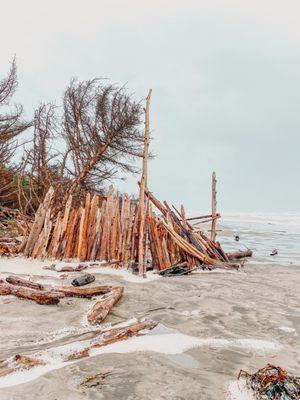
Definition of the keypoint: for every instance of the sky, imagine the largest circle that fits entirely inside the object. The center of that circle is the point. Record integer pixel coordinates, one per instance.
(225, 80)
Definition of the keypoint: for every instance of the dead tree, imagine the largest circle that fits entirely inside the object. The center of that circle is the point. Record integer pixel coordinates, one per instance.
(11, 117)
(11, 125)
(102, 133)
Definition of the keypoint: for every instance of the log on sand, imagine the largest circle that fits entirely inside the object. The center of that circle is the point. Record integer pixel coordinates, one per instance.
(102, 307)
(15, 280)
(116, 334)
(239, 254)
(39, 296)
(107, 336)
(68, 291)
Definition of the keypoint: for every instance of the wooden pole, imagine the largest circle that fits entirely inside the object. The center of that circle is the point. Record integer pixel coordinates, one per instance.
(143, 185)
(213, 207)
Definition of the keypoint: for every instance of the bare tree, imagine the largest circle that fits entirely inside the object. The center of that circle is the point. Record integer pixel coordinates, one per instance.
(11, 125)
(11, 118)
(102, 133)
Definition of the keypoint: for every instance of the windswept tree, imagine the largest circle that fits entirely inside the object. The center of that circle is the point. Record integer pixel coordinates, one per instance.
(12, 124)
(11, 117)
(102, 131)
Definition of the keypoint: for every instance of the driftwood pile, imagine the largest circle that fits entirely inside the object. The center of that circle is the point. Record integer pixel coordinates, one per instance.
(109, 230)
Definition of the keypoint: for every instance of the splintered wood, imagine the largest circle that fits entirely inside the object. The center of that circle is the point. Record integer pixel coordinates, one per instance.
(108, 230)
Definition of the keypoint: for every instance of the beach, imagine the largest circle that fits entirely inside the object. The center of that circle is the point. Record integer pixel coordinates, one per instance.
(211, 325)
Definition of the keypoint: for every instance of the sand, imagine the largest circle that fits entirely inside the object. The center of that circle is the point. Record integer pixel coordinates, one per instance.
(210, 326)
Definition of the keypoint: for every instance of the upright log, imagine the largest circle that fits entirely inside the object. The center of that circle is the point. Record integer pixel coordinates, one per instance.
(38, 222)
(213, 207)
(141, 209)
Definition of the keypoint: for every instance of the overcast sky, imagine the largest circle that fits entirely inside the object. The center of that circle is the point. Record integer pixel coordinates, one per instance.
(225, 76)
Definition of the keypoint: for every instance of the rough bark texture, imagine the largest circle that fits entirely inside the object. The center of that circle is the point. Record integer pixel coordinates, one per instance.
(102, 307)
(39, 296)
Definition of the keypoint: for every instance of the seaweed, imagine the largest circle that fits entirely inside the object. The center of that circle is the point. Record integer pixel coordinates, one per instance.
(272, 383)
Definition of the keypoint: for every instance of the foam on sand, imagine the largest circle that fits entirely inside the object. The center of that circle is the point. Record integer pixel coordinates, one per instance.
(168, 344)
(237, 390)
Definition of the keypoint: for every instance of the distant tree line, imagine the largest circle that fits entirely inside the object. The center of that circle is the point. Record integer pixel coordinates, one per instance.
(76, 147)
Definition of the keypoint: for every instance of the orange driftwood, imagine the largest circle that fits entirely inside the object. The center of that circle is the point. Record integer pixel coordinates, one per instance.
(102, 307)
(39, 296)
(64, 291)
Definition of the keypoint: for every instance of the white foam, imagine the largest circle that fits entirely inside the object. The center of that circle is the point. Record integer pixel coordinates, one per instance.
(171, 343)
(237, 390)
(287, 329)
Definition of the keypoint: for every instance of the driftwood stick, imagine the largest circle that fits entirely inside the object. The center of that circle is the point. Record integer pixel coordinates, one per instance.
(39, 296)
(239, 254)
(102, 307)
(213, 207)
(15, 280)
(141, 207)
(64, 291)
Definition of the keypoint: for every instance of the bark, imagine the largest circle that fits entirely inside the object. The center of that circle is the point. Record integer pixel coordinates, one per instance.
(239, 254)
(39, 296)
(102, 307)
(14, 280)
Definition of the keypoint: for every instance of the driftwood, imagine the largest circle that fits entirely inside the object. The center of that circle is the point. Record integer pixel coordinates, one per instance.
(15, 280)
(63, 291)
(87, 292)
(83, 280)
(141, 204)
(116, 334)
(239, 254)
(102, 307)
(213, 207)
(106, 337)
(117, 230)
(18, 363)
(112, 335)
(39, 296)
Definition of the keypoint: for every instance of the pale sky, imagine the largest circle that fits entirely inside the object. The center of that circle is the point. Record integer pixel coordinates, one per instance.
(225, 76)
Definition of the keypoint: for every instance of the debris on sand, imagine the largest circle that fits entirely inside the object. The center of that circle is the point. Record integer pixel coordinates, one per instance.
(96, 380)
(272, 383)
(83, 280)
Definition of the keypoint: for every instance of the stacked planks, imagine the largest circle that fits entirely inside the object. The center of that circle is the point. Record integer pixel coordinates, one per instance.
(108, 230)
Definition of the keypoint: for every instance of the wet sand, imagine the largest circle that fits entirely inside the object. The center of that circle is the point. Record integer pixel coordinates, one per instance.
(260, 303)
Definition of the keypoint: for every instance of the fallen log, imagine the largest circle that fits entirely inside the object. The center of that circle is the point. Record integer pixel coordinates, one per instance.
(15, 280)
(112, 335)
(83, 280)
(70, 291)
(39, 296)
(102, 307)
(116, 334)
(239, 254)
(65, 291)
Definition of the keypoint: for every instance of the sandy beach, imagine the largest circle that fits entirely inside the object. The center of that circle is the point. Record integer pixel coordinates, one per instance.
(211, 325)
